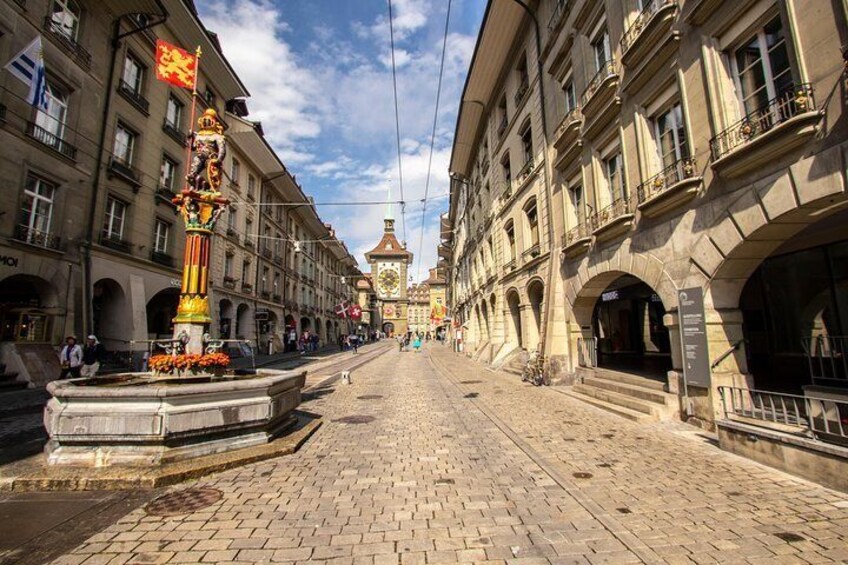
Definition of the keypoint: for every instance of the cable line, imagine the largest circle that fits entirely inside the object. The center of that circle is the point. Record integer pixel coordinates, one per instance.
(397, 121)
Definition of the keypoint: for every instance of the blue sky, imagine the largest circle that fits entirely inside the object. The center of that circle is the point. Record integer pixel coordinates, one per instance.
(319, 73)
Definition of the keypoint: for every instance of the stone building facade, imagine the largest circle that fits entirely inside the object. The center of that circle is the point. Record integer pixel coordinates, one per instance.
(418, 313)
(664, 145)
(92, 244)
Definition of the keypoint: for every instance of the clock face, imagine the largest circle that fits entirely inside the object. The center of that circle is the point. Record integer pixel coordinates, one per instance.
(389, 281)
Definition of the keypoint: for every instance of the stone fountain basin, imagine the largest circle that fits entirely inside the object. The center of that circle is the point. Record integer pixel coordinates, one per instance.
(137, 419)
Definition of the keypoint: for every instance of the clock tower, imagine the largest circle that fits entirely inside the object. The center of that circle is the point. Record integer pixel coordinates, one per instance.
(390, 262)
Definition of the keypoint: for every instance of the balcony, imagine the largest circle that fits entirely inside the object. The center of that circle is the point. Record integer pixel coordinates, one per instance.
(676, 184)
(51, 140)
(69, 45)
(26, 234)
(124, 171)
(650, 30)
(532, 253)
(278, 259)
(444, 251)
(174, 133)
(246, 287)
(600, 97)
(766, 134)
(265, 294)
(164, 195)
(248, 242)
(113, 242)
(559, 15)
(162, 258)
(229, 282)
(522, 91)
(277, 298)
(613, 220)
(134, 97)
(266, 252)
(567, 139)
(510, 265)
(576, 241)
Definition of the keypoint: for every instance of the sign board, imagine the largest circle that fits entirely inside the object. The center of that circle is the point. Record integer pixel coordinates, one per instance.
(693, 337)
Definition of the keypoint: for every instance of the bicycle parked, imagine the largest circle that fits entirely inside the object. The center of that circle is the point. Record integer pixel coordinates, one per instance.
(536, 370)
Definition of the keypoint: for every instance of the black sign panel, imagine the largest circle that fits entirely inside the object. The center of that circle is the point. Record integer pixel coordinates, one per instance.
(693, 337)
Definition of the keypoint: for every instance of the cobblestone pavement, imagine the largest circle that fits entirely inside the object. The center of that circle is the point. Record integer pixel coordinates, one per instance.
(430, 458)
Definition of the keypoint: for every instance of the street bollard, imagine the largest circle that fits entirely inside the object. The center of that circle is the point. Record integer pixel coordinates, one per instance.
(346, 377)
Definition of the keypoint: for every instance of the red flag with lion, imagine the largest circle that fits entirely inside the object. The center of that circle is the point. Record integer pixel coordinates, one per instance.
(174, 65)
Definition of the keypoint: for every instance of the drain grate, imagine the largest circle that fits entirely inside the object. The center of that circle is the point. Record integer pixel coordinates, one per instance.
(790, 536)
(369, 397)
(471, 395)
(582, 475)
(469, 382)
(355, 419)
(183, 502)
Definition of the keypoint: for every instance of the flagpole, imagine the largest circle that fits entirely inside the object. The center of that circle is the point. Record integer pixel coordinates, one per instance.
(197, 54)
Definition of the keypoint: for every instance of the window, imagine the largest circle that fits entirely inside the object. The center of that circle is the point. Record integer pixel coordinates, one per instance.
(248, 230)
(510, 240)
(228, 265)
(52, 121)
(576, 193)
(231, 220)
(161, 232)
(167, 173)
(251, 186)
(113, 227)
(671, 136)
(502, 114)
(265, 274)
(173, 112)
(37, 208)
(601, 48)
(124, 144)
(235, 172)
(532, 216)
(527, 143)
(245, 272)
(570, 96)
(65, 18)
(761, 67)
(133, 77)
(613, 174)
(507, 171)
(523, 80)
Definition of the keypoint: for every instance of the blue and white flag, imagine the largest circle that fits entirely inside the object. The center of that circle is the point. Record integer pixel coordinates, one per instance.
(28, 67)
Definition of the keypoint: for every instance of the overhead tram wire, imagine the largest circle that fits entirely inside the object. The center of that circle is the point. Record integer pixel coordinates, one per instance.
(397, 121)
(433, 139)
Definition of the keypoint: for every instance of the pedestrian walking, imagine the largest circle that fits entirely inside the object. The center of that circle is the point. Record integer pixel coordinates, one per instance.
(417, 343)
(71, 358)
(92, 354)
(341, 342)
(354, 342)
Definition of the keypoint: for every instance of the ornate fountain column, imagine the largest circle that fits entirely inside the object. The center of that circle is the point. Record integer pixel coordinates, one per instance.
(201, 204)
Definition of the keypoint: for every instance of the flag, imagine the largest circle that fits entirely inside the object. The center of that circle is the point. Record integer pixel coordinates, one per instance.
(341, 310)
(28, 67)
(355, 312)
(174, 65)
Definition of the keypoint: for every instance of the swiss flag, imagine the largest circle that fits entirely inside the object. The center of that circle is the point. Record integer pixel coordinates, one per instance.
(355, 312)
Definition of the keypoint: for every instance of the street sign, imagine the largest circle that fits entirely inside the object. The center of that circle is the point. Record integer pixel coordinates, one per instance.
(693, 337)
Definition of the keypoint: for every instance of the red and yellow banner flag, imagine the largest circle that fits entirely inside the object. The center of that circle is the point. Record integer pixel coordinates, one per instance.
(174, 65)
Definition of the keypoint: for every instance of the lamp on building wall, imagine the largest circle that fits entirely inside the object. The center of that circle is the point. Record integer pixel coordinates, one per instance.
(297, 247)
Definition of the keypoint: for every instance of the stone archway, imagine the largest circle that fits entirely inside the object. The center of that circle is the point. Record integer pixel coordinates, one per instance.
(28, 306)
(112, 326)
(225, 318)
(244, 322)
(535, 296)
(161, 311)
(514, 334)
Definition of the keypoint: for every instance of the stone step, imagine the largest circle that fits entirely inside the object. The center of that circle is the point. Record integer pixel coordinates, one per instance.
(636, 391)
(603, 405)
(619, 399)
(628, 378)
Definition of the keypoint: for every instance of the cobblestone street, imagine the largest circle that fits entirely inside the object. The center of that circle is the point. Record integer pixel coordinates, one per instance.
(431, 458)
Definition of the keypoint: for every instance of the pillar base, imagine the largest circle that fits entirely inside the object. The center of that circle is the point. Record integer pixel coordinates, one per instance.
(195, 333)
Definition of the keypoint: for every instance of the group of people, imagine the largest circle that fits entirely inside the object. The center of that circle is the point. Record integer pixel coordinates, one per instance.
(80, 361)
(407, 339)
(348, 342)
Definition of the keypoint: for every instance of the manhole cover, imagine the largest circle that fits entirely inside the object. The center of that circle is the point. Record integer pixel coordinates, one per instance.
(369, 397)
(582, 475)
(471, 395)
(183, 502)
(444, 481)
(624, 510)
(357, 419)
(789, 536)
(469, 382)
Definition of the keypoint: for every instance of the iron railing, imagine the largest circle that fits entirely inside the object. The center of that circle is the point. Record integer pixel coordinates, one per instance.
(641, 22)
(587, 352)
(246, 287)
(827, 357)
(578, 232)
(162, 258)
(229, 282)
(124, 170)
(678, 171)
(571, 117)
(114, 242)
(606, 71)
(607, 214)
(55, 31)
(134, 97)
(174, 132)
(826, 419)
(532, 252)
(51, 140)
(32, 236)
(560, 11)
(165, 194)
(790, 103)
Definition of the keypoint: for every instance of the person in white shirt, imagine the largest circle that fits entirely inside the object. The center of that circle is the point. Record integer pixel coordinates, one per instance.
(71, 358)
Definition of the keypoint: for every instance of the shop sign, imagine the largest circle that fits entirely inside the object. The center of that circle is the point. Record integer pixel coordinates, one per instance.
(176, 282)
(9, 261)
(693, 337)
(610, 296)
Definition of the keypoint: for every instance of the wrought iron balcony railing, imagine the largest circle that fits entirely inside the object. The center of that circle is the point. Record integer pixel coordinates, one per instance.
(246, 287)
(51, 140)
(561, 10)
(124, 170)
(229, 282)
(639, 24)
(164, 194)
(54, 30)
(607, 214)
(35, 237)
(162, 258)
(174, 132)
(114, 242)
(134, 97)
(578, 232)
(607, 70)
(792, 102)
(668, 177)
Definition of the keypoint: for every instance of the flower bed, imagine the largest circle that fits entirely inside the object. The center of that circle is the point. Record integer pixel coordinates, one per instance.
(189, 363)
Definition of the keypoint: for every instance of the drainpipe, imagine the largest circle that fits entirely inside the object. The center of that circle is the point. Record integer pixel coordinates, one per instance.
(117, 36)
(548, 192)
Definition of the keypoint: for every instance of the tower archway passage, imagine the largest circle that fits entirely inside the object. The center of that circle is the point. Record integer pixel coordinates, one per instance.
(514, 331)
(111, 320)
(27, 309)
(161, 310)
(535, 295)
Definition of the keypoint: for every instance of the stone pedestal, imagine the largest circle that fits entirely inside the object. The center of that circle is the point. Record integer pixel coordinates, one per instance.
(195, 336)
